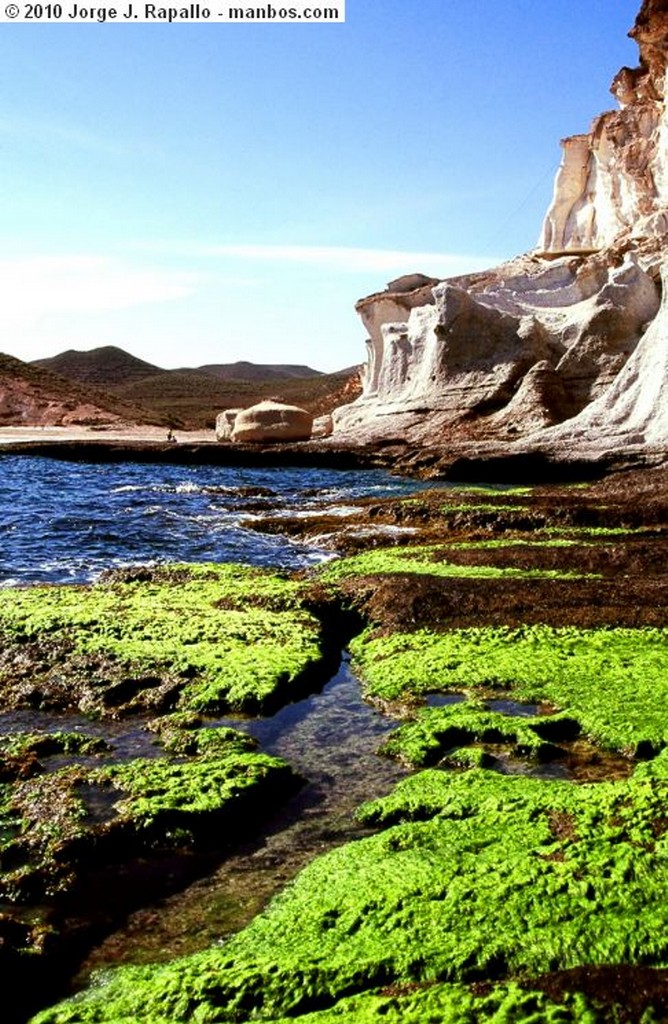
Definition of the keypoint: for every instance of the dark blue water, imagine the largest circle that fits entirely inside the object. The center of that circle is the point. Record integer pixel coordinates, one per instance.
(66, 522)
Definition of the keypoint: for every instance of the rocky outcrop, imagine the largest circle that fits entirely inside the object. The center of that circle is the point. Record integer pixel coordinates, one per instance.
(633, 411)
(463, 359)
(456, 355)
(613, 182)
(394, 304)
(554, 336)
(225, 423)
(272, 421)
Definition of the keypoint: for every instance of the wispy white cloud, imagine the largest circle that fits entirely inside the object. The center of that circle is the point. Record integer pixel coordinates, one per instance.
(65, 134)
(36, 287)
(342, 258)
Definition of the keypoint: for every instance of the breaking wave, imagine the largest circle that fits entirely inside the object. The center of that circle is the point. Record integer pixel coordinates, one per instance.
(67, 522)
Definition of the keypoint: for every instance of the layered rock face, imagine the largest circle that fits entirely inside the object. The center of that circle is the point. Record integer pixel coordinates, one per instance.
(613, 182)
(549, 338)
(633, 411)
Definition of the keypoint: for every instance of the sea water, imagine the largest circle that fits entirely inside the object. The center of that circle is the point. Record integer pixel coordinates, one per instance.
(65, 522)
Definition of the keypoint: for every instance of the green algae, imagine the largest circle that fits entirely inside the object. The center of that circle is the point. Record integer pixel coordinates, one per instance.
(510, 542)
(473, 876)
(614, 682)
(449, 508)
(435, 1003)
(178, 735)
(458, 1004)
(430, 560)
(49, 821)
(434, 731)
(517, 490)
(186, 630)
(156, 790)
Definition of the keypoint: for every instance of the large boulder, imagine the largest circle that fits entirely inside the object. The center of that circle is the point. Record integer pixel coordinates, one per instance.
(272, 421)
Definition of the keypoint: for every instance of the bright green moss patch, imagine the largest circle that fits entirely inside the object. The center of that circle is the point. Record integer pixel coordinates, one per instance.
(509, 542)
(475, 876)
(51, 820)
(184, 739)
(483, 507)
(427, 560)
(437, 730)
(499, 492)
(179, 792)
(211, 636)
(613, 681)
(457, 1004)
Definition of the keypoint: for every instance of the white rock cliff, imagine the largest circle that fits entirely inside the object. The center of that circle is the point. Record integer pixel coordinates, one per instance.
(564, 345)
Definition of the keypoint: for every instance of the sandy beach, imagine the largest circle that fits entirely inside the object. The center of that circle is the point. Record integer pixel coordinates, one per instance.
(23, 435)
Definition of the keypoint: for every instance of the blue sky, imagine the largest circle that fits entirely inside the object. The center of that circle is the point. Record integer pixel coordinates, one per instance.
(208, 193)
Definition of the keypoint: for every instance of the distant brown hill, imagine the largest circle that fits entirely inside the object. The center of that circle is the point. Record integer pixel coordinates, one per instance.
(111, 367)
(32, 395)
(104, 367)
(193, 397)
(258, 371)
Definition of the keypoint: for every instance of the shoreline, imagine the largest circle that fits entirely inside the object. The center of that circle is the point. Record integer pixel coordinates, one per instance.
(467, 462)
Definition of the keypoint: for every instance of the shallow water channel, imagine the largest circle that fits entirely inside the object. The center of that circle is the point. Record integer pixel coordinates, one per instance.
(330, 738)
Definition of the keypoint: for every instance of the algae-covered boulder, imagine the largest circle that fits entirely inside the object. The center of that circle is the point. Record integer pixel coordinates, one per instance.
(613, 682)
(272, 421)
(99, 809)
(473, 876)
(86, 835)
(154, 639)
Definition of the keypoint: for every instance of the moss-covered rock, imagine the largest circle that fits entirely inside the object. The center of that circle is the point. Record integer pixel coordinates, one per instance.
(20, 752)
(614, 682)
(429, 560)
(438, 730)
(154, 639)
(57, 827)
(460, 1004)
(474, 876)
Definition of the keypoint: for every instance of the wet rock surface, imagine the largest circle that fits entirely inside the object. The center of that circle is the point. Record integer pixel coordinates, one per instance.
(515, 640)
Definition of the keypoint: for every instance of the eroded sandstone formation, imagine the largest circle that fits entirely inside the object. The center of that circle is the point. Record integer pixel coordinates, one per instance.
(225, 423)
(272, 421)
(563, 342)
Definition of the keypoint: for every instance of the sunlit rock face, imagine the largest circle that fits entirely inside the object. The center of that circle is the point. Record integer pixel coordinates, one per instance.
(614, 181)
(633, 411)
(271, 421)
(225, 423)
(465, 355)
(394, 304)
(526, 349)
